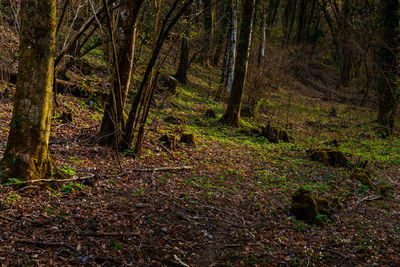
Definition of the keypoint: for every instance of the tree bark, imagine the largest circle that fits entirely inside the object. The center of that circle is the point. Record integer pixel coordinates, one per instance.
(388, 63)
(122, 72)
(232, 113)
(230, 52)
(26, 156)
(207, 23)
(181, 73)
(221, 32)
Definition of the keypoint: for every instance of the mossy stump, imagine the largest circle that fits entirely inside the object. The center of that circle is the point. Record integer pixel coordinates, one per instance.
(169, 141)
(176, 120)
(274, 134)
(309, 208)
(363, 176)
(210, 114)
(188, 139)
(329, 157)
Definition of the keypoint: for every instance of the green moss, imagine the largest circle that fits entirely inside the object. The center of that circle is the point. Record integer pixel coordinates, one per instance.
(363, 176)
(169, 140)
(309, 208)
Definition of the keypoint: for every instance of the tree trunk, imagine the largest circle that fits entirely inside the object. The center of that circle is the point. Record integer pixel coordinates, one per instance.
(122, 73)
(221, 32)
(230, 52)
(232, 113)
(389, 65)
(207, 23)
(26, 156)
(261, 52)
(134, 128)
(181, 73)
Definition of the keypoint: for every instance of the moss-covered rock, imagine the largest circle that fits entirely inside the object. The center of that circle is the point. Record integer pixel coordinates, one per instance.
(363, 176)
(176, 120)
(329, 157)
(274, 134)
(309, 208)
(188, 138)
(169, 140)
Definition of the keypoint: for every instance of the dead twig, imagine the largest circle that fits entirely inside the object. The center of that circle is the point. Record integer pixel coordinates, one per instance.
(164, 169)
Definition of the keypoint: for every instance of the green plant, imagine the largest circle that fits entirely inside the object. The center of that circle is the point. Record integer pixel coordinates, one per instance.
(68, 170)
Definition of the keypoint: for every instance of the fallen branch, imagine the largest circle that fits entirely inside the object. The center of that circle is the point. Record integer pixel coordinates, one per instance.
(55, 180)
(8, 218)
(369, 198)
(164, 169)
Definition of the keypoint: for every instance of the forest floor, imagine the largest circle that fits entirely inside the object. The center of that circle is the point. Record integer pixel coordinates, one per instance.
(229, 206)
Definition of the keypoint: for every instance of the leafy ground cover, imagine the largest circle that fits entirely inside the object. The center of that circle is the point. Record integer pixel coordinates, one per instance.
(229, 207)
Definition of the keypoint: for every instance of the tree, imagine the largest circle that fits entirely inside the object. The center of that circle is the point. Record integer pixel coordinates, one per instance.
(232, 113)
(112, 121)
(230, 51)
(26, 156)
(134, 128)
(207, 25)
(181, 73)
(388, 62)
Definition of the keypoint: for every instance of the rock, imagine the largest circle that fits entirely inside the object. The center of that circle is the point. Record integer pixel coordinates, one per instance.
(363, 176)
(274, 134)
(309, 208)
(168, 140)
(189, 139)
(329, 157)
(176, 120)
(66, 117)
(168, 83)
(210, 114)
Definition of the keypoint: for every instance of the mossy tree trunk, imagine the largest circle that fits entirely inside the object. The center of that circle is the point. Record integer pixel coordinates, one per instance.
(26, 156)
(232, 113)
(388, 61)
(121, 73)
